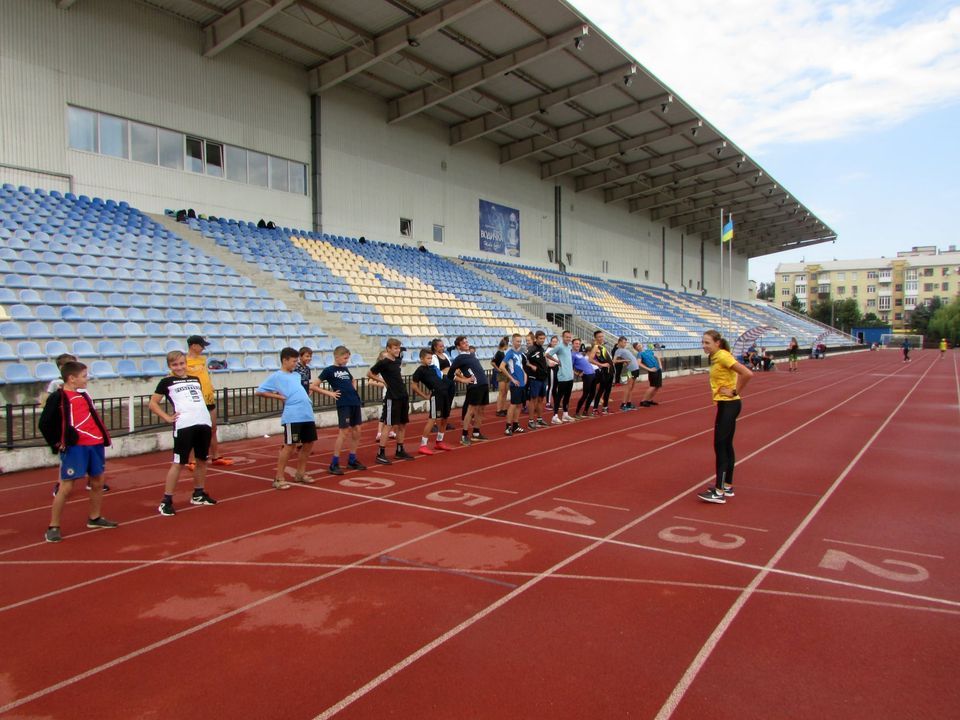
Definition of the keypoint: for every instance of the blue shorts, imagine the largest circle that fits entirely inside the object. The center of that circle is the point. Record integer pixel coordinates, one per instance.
(518, 394)
(80, 461)
(349, 416)
(538, 389)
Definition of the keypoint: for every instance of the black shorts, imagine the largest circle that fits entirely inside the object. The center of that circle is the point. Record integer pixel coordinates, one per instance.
(518, 394)
(299, 433)
(439, 405)
(478, 394)
(395, 412)
(655, 378)
(635, 373)
(195, 438)
(349, 416)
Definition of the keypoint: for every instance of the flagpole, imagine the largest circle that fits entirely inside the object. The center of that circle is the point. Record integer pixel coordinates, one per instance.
(730, 284)
(722, 320)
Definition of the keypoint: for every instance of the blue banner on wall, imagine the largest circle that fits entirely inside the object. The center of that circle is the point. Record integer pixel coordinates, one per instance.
(499, 229)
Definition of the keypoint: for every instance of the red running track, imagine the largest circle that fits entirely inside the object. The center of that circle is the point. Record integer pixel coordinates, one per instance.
(566, 573)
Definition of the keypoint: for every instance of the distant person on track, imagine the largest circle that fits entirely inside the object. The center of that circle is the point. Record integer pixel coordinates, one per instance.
(538, 372)
(650, 363)
(428, 383)
(562, 354)
(906, 350)
(552, 377)
(503, 389)
(396, 405)
(197, 367)
(73, 429)
(587, 371)
(297, 421)
(727, 379)
(191, 430)
(793, 355)
(343, 389)
(513, 370)
(604, 383)
(624, 358)
(943, 348)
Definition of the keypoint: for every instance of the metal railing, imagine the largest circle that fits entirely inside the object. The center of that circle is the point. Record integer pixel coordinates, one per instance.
(129, 415)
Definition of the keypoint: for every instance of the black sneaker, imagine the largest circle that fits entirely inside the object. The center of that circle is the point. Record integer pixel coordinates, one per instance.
(106, 488)
(53, 535)
(202, 499)
(464, 440)
(335, 470)
(356, 465)
(101, 523)
(728, 490)
(508, 431)
(645, 403)
(517, 430)
(541, 423)
(712, 495)
(166, 509)
(403, 455)
(383, 460)
(479, 436)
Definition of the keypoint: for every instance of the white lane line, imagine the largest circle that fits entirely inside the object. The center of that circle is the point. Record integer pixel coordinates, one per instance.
(878, 547)
(391, 473)
(483, 487)
(581, 502)
(711, 522)
(681, 688)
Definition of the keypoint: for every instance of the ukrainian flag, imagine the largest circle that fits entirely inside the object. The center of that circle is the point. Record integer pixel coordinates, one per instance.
(727, 234)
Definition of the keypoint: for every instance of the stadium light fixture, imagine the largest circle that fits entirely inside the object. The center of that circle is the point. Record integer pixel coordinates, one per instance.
(696, 128)
(719, 148)
(627, 80)
(579, 42)
(413, 42)
(664, 106)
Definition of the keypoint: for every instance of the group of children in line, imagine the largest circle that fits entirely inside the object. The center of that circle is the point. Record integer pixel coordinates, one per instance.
(71, 426)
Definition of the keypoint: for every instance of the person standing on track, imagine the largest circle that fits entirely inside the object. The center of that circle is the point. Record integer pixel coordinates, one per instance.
(552, 377)
(727, 379)
(584, 366)
(466, 369)
(538, 372)
(503, 401)
(429, 383)
(396, 405)
(512, 368)
(650, 363)
(343, 389)
(943, 348)
(906, 350)
(197, 367)
(793, 354)
(623, 357)
(562, 354)
(604, 384)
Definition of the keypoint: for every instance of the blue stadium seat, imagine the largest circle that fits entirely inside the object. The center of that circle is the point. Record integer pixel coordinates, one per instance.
(270, 362)
(151, 368)
(29, 350)
(46, 371)
(108, 349)
(102, 369)
(55, 347)
(7, 296)
(11, 331)
(20, 312)
(17, 373)
(6, 352)
(252, 362)
(127, 369)
(112, 330)
(83, 349)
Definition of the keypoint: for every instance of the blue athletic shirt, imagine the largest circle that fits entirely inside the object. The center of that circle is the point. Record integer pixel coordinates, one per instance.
(582, 365)
(296, 407)
(339, 378)
(514, 360)
(648, 358)
(563, 353)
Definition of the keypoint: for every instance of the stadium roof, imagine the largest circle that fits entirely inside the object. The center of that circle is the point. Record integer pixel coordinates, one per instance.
(541, 81)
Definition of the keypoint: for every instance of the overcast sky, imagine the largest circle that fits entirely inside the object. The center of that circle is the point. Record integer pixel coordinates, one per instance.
(852, 106)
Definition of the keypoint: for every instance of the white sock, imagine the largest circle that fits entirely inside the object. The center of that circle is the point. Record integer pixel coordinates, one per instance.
(424, 441)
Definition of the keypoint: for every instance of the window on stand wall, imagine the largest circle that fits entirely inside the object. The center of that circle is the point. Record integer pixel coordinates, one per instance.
(236, 163)
(143, 143)
(194, 155)
(171, 149)
(113, 136)
(82, 129)
(214, 159)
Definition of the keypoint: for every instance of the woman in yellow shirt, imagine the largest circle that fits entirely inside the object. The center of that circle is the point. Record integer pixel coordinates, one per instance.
(727, 379)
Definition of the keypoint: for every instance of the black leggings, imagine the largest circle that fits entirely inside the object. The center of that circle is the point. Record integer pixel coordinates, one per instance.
(561, 395)
(586, 394)
(723, 430)
(604, 386)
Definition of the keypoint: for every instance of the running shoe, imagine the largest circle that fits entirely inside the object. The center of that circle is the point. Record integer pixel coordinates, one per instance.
(356, 465)
(606, 410)
(479, 436)
(304, 479)
(335, 470)
(202, 499)
(508, 432)
(712, 495)
(166, 509)
(101, 523)
(517, 430)
(424, 450)
(106, 488)
(566, 418)
(464, 440)
(403, 455)
(441, 445)
(222, 461)
(541, 423)
(532, 424)
(383, 460)
(556, 420)
(728, 489)
(53, 535)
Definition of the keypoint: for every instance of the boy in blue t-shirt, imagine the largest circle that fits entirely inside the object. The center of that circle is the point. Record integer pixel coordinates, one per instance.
(648, 361)
(343, 389)
(512, 368)
(299, 427)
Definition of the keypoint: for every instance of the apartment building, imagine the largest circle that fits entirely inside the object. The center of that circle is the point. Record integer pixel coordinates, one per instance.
(891, 288)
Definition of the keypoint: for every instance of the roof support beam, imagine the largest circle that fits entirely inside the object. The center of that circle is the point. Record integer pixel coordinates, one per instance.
(239, 22)
(430, 95)
(758, 237)
(636, 188)
(752, 220)
(587, 156)
(64, 4)
(607, 177)
(771, 249)
(712, 201)
(557, 136)
(489, 122)
(745, 215)
(668, 196)
(358, 59)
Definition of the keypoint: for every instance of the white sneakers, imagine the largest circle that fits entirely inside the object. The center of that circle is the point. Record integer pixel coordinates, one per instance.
(556, 420)
(567, 418)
